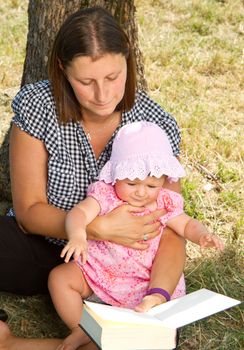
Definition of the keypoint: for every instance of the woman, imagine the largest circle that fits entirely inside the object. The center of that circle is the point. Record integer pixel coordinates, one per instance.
(61, 137)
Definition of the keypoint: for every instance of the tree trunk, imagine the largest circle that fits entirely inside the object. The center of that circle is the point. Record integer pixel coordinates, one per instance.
(45, 18)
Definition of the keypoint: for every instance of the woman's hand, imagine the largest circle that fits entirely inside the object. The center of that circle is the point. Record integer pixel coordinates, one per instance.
(123, 227)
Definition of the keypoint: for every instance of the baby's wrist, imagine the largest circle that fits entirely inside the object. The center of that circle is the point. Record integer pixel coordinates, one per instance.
(161, 293)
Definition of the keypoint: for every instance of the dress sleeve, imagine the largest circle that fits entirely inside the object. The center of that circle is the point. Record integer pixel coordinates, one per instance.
(32, 108)
(105, 195)
(171, 201)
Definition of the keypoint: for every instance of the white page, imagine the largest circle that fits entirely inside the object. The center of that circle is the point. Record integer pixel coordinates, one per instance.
(113, 313)
(192, 307)
(173, 314)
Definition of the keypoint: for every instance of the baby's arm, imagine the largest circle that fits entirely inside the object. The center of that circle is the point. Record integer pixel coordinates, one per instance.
(75, 225)
(194, 231)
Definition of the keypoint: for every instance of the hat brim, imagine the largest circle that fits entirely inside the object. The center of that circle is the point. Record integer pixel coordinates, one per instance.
(142, 167)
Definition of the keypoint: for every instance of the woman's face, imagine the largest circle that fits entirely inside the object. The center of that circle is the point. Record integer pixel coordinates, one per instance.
(98, 85)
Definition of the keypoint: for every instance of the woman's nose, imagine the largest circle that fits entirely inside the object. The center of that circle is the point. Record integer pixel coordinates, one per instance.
(101, 92)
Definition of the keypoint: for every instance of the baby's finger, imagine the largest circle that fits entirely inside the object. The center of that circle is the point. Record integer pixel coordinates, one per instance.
(64, 251)
(203, 244)
(84, 257)
(76, 255)
(78, 251)
(219, 244)
(69, 255)
(208, 237)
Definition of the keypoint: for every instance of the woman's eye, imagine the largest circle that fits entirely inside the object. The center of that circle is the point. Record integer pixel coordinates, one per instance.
(86, 83)
(112, 78)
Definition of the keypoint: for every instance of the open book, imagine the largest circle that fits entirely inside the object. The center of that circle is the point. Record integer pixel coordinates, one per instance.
(114, 328)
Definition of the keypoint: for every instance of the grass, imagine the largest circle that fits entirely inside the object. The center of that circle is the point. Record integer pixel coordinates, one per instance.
(193, 52)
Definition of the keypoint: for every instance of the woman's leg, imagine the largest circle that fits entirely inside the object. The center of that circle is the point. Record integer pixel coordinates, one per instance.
(9, 342)
(28, 258)
(67, 287)
(167, 268)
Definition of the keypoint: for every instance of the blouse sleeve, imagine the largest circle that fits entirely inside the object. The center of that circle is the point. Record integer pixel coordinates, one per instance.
(105, 195)
(32, 107)
(171, 201)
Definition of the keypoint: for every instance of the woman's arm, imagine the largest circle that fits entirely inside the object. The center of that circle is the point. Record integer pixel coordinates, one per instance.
(169, 262)
(167, 269)
(28, 171)
(28, 164)
(122, 227)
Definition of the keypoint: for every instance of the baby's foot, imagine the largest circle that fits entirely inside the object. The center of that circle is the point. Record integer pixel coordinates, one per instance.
(6, 337)
(150, 301)
(74, 340)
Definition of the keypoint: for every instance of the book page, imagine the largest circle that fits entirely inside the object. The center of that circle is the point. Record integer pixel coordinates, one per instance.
(191, 307)
(118, 314)
(173, 314)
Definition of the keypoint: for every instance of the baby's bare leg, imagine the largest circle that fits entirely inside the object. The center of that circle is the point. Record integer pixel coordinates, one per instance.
(67, 286)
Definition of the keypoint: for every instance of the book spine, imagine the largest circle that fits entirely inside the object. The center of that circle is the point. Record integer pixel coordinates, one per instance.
(89, 335)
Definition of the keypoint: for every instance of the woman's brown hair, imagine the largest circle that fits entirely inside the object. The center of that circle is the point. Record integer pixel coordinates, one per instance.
(89, 32)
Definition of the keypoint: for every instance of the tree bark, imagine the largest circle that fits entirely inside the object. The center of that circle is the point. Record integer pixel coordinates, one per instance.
(45, 18)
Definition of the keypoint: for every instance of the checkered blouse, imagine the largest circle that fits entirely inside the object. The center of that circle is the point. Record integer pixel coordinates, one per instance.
(72, 165)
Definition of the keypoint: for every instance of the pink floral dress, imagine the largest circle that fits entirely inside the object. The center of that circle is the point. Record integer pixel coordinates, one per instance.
(119, 275)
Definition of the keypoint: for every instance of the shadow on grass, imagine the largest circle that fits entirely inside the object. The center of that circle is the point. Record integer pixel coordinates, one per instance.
(32, 316)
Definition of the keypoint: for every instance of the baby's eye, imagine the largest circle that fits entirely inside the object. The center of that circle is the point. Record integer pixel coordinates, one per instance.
(151, 186)
(130, 184)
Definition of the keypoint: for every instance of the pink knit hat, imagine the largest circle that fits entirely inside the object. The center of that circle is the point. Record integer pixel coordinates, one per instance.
(141, 149)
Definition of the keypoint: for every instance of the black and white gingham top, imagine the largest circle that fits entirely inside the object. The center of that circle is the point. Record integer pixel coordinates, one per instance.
(72, 165)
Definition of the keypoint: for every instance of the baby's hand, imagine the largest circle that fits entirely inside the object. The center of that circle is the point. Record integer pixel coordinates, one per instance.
(76, 248)
(150, 301)
(207, 240)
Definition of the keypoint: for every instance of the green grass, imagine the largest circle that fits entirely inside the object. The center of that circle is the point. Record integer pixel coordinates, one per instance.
(13, 31)
(193, 53)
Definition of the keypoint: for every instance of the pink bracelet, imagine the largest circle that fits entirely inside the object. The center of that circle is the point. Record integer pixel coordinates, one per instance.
(161, 291)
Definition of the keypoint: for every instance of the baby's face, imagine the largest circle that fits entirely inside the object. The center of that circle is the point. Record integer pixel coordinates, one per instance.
(139, 193)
